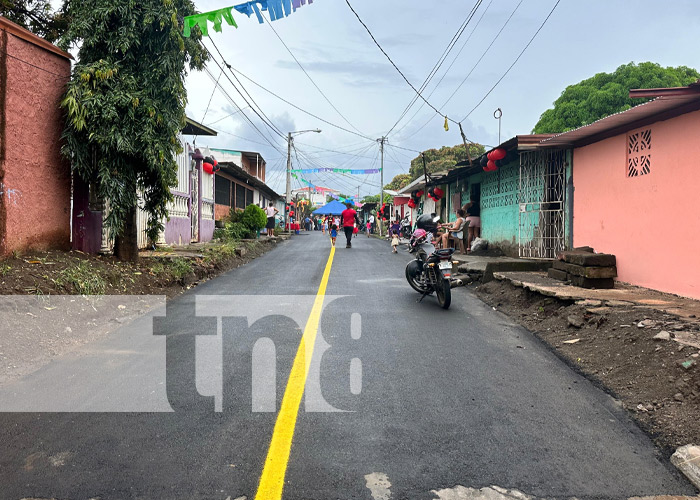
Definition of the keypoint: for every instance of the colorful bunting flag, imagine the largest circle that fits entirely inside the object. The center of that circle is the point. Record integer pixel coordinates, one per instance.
(277, 9)
(215, 16)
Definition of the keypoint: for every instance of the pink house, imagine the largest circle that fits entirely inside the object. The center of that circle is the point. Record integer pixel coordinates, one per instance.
(636, 181)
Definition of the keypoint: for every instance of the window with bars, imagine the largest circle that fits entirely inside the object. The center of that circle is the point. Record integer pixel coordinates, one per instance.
(222, 193)
(639, 153)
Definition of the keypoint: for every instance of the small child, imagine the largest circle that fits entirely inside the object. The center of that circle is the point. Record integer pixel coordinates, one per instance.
(395, 241)
(334, 234)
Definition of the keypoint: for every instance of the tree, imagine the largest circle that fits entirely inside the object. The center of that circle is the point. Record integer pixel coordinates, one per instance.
(125, 105)
(37, 16)
(444, 158)
(398, 182)
(608, 93)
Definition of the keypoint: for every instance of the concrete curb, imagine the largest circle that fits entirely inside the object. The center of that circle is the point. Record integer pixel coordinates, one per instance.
(687, 460)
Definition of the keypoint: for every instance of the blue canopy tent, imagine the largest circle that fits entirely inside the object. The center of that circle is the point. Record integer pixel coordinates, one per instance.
(333, 208)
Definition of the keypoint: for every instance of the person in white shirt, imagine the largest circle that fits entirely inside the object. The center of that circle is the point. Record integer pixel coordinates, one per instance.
(371, 222)
(271, 211)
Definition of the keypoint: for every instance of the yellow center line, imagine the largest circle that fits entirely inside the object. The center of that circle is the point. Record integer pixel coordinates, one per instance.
(272, 478)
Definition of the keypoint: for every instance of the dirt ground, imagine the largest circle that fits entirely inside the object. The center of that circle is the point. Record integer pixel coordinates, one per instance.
(51, 303)
(76, 273)
(657, 381)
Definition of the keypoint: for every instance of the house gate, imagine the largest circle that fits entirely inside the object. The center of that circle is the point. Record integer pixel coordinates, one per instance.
(541, 198)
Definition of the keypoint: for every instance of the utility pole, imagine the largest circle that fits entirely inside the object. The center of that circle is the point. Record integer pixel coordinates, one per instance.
(289, 180)
(381, 182)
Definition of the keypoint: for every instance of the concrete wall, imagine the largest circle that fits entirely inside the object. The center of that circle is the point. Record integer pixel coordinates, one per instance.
(34, 178)
(499, 207)
(649, 222)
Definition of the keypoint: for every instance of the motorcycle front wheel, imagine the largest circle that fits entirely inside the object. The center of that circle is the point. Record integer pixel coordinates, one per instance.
(443, 290)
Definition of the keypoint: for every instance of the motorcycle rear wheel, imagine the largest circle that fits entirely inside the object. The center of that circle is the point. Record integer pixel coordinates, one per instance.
(443, 290)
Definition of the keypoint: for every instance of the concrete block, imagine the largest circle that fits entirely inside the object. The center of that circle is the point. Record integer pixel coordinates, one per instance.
(600, 283)
(514, 265)
(589, 259)
(557, 274)
(586, 271)
(687, 460)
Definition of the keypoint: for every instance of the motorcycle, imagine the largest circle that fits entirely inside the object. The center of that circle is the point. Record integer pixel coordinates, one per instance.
(431, 270)
(406, 230)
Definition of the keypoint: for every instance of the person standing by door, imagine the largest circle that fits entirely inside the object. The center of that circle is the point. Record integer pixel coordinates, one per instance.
(371, 223)
(349, 218)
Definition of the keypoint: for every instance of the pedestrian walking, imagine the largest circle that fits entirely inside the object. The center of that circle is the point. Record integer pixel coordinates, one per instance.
(271, 211)
(368, 229)
(324, 225)
(334, 234)
(349, 217)
(371, 223)
(394, 242)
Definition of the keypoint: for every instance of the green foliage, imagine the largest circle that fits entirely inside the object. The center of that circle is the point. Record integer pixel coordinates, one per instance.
(254, 217)
(125, 103)
(608, 93)
(4, 269)
(82, 279)
(235, 215)
(37, 16)
(372, 198)
(180, 268)
(236, 231)
(445, 158)
(399, 181)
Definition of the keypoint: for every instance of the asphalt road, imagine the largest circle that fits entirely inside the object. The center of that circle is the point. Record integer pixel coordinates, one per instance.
(402, 398)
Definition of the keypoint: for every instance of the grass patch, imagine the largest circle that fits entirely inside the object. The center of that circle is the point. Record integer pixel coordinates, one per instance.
(4, 269)
(157, 268)
(81, 278)
(180, 268)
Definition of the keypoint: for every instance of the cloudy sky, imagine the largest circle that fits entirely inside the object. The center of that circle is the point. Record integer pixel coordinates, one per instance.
(366, 95)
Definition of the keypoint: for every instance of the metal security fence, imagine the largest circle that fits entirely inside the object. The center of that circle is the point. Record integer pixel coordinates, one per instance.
(542, 201)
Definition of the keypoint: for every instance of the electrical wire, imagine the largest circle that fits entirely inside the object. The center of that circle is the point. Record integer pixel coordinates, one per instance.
(309, 76)
(439, 64)
(454, 60)
(472, 69)
(514, 62)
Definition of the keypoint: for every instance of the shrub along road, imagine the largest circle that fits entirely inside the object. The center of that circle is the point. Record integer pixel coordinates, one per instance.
(402, 398)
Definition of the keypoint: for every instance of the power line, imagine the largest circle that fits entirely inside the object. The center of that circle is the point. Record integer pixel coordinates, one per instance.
(471, 70)
(516, 60)
(439, 63)
(299, 108)
(309, 76)
(269, 122)
(478, 23)
(389, 58)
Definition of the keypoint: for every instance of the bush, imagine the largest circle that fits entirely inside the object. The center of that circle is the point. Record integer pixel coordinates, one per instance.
(180, 268)
(254, 218)
(235, 215)
(236, 231)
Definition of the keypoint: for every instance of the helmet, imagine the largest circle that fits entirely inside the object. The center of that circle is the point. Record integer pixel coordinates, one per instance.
(427, 222)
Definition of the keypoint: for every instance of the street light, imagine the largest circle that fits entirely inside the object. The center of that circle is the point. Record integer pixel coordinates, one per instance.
(289, 170)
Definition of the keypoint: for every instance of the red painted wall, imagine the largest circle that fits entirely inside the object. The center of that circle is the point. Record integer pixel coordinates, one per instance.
(650, 222)
(34, 178)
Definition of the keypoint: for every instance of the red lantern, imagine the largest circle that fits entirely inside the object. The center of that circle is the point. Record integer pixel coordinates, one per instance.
(497, 154)
(411, 203)
(208, 168)
(419, 193)
(291, 214)
(490, 166)
(438, 193)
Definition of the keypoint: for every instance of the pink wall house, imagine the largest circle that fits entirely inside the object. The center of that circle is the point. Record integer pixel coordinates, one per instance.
(637, 192)
(34, 178)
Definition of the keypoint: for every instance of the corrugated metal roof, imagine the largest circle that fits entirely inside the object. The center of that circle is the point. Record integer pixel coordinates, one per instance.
(661, 108)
